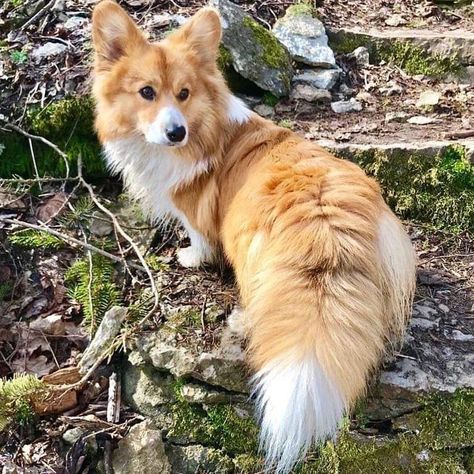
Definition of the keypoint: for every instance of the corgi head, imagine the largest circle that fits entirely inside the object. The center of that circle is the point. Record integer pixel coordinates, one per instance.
(171, 93)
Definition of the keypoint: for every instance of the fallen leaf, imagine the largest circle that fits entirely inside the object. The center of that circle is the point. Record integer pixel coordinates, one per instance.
(51, 207)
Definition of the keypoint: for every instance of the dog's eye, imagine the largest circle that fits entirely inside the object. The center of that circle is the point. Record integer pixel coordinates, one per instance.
(183, 94)
(147, 93)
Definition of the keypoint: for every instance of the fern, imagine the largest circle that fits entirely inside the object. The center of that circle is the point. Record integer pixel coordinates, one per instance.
(96, 295)
(34, 239)
(16, 396)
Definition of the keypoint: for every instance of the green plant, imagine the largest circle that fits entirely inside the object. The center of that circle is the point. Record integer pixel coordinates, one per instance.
(80, 213)
(91, 284)
(16, 396)
(18, 57)
(35, 239)
(5, 290)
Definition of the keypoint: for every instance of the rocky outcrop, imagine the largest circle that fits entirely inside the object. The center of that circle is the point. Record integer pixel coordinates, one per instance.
(255, 53)
(197, 395)
(305, 37)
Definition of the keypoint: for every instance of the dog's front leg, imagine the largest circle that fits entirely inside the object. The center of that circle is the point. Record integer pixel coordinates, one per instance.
(198, 253)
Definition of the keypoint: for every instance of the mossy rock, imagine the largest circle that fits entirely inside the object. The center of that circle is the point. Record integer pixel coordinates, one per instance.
(68, 123)
(410, 56)
(432, 187)
(253, 51)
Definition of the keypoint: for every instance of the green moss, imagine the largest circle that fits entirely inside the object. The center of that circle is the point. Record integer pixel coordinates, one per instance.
(435, 189)
(69, 124)
(269, 99)
(217, 426)
(285, 123)
(416, 60)
(301, 8)
(273, 53)
(448, 421)
(248, 464)
(407, 56)
(224, 59)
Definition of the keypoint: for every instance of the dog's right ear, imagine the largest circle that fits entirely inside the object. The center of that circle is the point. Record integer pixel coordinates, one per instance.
(113, 33)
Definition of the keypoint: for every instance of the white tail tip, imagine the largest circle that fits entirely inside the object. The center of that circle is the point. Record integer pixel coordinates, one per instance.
(297, 405)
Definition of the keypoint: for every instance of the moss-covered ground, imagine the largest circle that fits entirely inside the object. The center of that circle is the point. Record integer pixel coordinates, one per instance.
(436, 188)
(409, 57)
(69, 124)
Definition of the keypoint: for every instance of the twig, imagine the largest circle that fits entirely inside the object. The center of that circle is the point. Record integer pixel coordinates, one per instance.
(113, 416)
(34, 181)
(37, 16)
(137, 251)
(70, 240)
(35, 166)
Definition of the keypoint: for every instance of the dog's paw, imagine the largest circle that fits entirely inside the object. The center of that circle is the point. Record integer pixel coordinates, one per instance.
(236, 322)
(189, 257)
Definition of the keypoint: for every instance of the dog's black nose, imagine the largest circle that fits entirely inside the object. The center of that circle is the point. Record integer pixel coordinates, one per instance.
(176, 134)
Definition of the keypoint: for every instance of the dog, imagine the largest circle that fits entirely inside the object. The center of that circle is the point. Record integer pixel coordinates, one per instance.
(325, 270)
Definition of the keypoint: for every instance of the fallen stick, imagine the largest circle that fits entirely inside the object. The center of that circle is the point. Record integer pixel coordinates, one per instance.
(70, 240)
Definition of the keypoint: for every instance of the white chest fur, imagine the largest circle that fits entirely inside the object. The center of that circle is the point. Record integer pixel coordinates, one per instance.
(151, 173)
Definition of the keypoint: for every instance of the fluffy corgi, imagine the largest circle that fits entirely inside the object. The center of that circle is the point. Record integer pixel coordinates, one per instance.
(325, 270)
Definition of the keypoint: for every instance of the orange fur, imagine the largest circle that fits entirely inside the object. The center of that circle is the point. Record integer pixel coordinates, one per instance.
(312, 243)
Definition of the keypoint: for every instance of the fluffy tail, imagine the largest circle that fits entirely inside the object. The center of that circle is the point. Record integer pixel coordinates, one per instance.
(322, 304)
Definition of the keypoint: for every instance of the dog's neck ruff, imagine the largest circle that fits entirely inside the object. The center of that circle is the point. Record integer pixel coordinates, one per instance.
(151, 173)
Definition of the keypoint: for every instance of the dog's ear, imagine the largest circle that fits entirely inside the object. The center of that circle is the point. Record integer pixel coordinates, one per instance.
(202, 33)
(113, 33)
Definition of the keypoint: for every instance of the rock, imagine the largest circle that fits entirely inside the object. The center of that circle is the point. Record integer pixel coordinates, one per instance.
(190, 459)
(255, 52)
(395, 20)
(361, 55)
(264, 110)
(108, 329)
(428, 99)
(422, 323)
(141, 450)
(194, 393)
(100, 224)
(421, 120)
(318, 78)
(75, 23)
(310, 94)
(72, 435)
(305, 38)
(222, 366)
(398, 117)
(48, 50)
(345, 106)
(460, 336)
(392, 88)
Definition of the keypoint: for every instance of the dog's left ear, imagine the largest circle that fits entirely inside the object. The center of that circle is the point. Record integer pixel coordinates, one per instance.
(202, 33)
